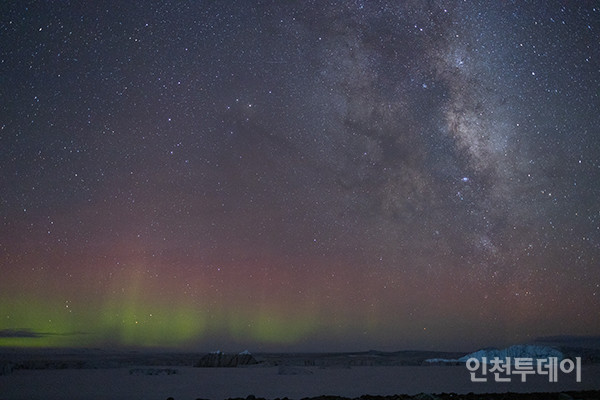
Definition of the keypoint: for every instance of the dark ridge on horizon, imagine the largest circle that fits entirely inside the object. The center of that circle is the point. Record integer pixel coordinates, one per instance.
(32, 334)
(569, 338)
(20, 333)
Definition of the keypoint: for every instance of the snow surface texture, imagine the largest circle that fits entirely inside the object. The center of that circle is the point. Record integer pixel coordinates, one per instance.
(223, 383)
(152, 371)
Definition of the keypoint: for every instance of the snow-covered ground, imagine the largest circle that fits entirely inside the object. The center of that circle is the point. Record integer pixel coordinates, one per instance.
(268, 382)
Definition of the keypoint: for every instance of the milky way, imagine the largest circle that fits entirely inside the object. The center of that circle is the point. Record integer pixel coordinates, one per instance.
(299, 175)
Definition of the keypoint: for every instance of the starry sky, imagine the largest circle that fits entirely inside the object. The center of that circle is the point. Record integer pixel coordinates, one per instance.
(306, 175)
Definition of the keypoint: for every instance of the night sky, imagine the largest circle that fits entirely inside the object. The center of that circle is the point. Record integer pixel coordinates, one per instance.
(304, 175)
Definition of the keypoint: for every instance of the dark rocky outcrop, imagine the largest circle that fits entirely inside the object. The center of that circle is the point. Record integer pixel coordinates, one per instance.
(6, 368)
(224, 360)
